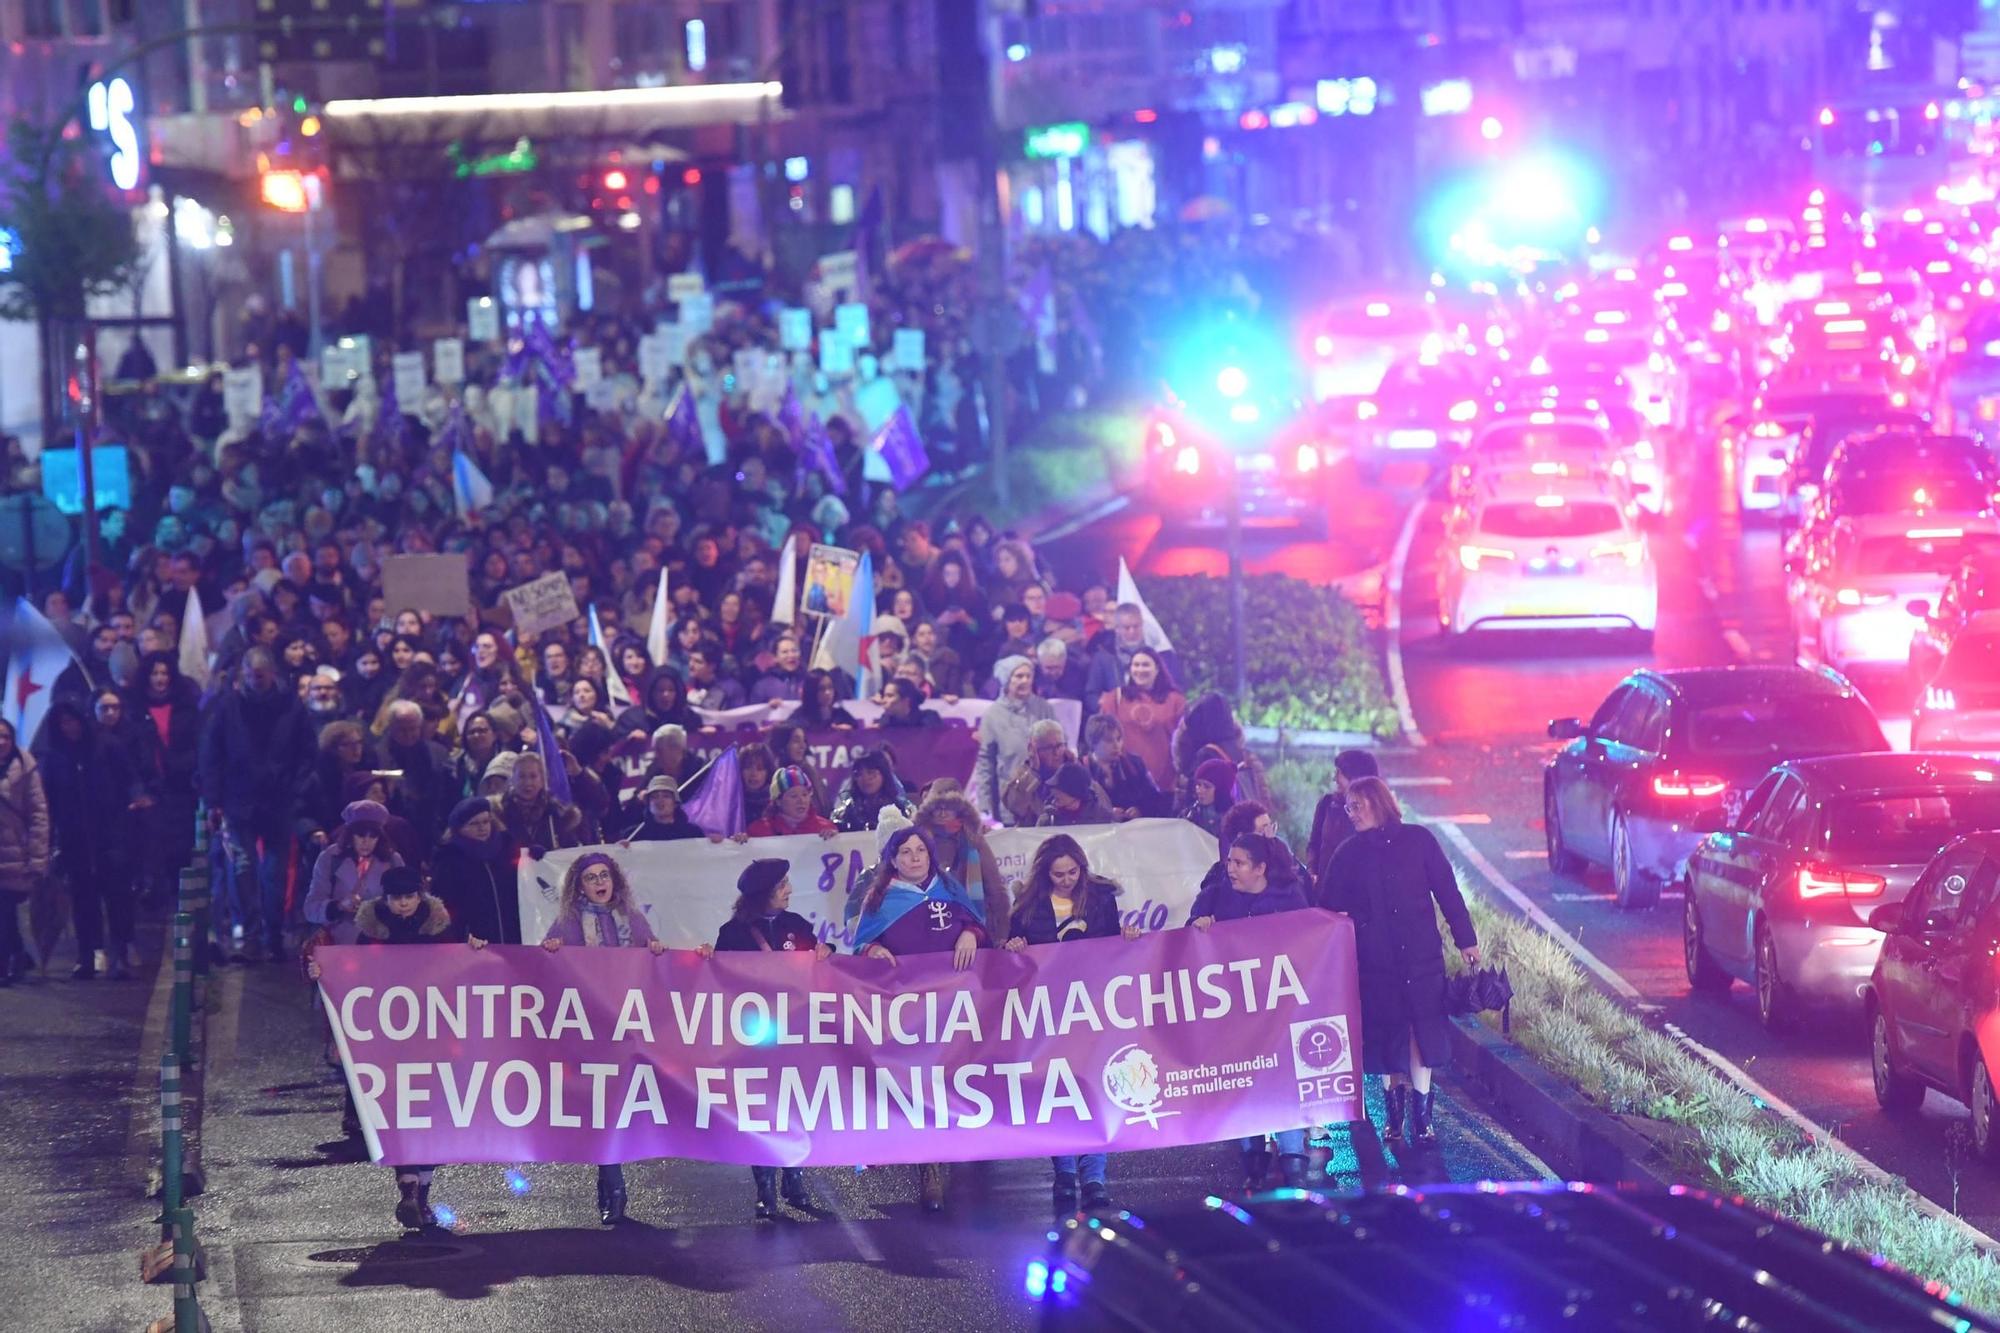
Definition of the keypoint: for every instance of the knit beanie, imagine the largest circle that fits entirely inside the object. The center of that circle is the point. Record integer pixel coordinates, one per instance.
(786, 778)
(1219, 774)
(468, 810)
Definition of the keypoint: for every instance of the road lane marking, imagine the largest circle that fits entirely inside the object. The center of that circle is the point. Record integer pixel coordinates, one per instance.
(1721, 1064)
(1392, 622)
(1526, 854)
(1461, 819)
(1607, 899)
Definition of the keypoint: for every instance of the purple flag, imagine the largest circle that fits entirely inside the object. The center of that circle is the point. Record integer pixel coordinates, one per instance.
(545, 737)
(774, 1056)
(717, 804)
(292, 406)
(684, 423)
(901, 450)
(865, 227)
(792, 419)
(815, 448)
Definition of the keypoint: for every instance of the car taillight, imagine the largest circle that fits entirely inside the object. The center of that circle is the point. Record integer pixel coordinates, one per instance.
(1689, 786)
(1307, 458)
(1162, 434)
(1465, 410)
(1365, 410)
(1470, 556)
(1188, 460)
(1939, 699)
(1856, 597)
(1826, 882)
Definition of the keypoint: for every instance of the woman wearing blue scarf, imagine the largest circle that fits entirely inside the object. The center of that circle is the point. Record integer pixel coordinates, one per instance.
(596, 911)
(912, 906)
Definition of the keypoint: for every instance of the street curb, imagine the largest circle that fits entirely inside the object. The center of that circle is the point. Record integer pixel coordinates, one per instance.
(1281, 739)
(1579, 1140)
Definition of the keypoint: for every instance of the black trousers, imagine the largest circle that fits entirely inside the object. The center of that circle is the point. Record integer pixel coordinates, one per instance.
(101, 896)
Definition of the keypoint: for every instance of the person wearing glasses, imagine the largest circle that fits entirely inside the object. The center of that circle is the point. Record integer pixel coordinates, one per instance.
(1331, 826)
(1386, 877)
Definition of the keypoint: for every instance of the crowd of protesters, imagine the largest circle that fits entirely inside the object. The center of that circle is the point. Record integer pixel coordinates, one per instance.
(371, 772)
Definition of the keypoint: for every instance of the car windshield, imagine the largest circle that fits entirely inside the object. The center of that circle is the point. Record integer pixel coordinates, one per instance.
(1901, 829)
(1898, 492)
(1974, 660)
(1793, 724)
(1920, 552)
(1534, 521)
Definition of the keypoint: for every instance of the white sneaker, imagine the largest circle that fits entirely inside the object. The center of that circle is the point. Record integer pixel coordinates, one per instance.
(101, 960)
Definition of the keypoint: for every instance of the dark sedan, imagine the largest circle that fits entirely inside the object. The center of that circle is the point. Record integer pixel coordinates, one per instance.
(1666, 750)
(1783, 897)
(1932, 1001)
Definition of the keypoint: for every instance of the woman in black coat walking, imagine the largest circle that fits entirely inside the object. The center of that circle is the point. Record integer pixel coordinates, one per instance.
(1386, 877)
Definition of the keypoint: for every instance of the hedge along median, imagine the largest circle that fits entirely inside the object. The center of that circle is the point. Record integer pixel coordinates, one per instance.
(1313, 661)
(1708, 1130)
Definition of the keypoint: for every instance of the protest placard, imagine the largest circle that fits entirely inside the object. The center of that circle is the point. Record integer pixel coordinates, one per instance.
(907, 352)
(698, 313)
(850, 321)
(448, 361)
(829, 580)
(440, 584)
(836, 357)
(589, 365)
(839, 271)
(795, 329)
(482, 319)
(243, 394)
(681, 286)
(542, 605)
(408, 370)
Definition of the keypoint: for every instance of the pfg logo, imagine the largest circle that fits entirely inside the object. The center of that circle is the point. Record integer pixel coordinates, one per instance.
(1132, 1082)
(1323, 1059)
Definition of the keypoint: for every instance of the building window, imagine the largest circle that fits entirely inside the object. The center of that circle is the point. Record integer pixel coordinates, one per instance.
(839, 65)
(42, 18)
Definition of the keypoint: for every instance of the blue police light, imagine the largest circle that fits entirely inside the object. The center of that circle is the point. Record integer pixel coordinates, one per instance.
(518, 1183)
(1036, 1283)
(1232, 382)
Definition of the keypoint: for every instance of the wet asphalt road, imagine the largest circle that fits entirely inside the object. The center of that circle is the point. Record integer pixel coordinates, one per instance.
(300, 1236)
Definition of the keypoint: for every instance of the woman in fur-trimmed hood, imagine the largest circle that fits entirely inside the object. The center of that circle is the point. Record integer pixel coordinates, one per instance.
(958, 833)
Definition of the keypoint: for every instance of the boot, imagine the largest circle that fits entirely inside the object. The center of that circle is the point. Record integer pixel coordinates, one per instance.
(766, 1178)
(1256, 1169)
(1064, 1193)
(1422, 1132)
(1292, 1167)
(86, 965)
(792, 1183)
(409, 1213)
(610, 1198)
(1096, 1198)
(430, 1219)
(1397, 1099)
(120, 966)
(931, 1180)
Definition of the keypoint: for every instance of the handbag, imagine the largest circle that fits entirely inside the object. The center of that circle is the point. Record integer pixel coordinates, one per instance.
(1481, 990)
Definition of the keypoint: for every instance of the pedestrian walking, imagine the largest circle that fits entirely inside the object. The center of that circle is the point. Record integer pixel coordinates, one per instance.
(1061, 900)
(474, 876)
(93, 792)
(909, 876)
(763, 922)
(595, 910)
(24, 848)
(1331, 826)
(349, 871)
(1386, 877)
(1253, 889)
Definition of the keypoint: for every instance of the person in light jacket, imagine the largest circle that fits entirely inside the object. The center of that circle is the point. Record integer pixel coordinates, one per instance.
(349, 871)
(596, 911)
(24, 847)
(1003, 732)
(1386, 877)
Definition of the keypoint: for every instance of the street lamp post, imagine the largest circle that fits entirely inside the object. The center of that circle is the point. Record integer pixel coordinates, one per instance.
(1237, 621)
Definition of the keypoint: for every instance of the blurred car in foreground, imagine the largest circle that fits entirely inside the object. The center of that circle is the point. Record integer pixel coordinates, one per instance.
(1528, 1258)
(1237, 436)
(1640, 783)
(1931, 1003)
(1783, 897)
(1854, 583)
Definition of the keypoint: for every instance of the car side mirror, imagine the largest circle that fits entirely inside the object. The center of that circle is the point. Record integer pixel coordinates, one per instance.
(1567, 729)
(1919, 608)
(1887, 917)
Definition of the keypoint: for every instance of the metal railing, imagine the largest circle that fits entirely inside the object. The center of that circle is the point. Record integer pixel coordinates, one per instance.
(180, 1150)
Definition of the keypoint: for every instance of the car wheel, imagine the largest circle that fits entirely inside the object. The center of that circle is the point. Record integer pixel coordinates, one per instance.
(1704, 973)
(1981, 1099)
(1561, 859)
(1895, 1090)
(1775, 1005)
(1636, 889)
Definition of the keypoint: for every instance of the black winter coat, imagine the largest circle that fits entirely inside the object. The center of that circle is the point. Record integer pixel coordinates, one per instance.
(1387, 879)
(1036, 921)
(255, 754)
(90, 785)
(482, 896)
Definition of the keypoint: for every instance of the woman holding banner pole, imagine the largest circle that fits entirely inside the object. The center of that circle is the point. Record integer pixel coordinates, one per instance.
(910, 876)
(1061, 900)
(762, 922)
(595, 910)
(1255, 866)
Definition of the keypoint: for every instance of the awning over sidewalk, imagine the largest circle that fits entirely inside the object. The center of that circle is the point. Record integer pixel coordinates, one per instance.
(490, 122)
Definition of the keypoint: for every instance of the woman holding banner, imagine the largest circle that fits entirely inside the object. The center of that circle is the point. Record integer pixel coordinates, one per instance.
(595, 910)
(1059, 901)
(1386, 877)
(762, 922)
(911, 876)
(1255, 865)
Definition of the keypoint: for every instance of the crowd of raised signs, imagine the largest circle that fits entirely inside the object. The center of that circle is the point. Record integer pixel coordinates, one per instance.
(238, 644)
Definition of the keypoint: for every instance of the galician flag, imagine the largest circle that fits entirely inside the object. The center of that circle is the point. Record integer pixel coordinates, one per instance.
(36, 655)
(614, 683)
(194, 653)
(844, 645)
(785, 607)
(656, 632)
(469, 485)
(1128, 591)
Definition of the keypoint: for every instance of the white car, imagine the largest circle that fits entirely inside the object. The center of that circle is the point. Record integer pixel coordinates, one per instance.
(1765, 447)
(1853, 580)
(1550, 552)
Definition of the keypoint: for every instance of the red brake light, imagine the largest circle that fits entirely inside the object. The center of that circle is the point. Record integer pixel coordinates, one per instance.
(1689, 786)
(1825, 882)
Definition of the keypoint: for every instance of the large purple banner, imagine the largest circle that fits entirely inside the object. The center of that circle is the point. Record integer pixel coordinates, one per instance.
(923, 754)
(613, 1055)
